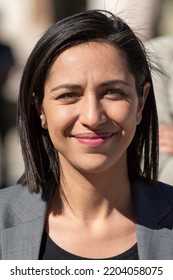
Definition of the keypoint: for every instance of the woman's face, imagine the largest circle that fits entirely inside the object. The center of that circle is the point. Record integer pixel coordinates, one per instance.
(91, 107)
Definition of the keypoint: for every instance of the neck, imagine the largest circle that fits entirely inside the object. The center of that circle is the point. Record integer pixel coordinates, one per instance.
(93, 196)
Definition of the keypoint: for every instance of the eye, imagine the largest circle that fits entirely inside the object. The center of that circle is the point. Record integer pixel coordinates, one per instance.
(68, 97)
(115, 93)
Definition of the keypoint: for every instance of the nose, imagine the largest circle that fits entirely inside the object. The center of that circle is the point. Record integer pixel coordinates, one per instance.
(92, 113)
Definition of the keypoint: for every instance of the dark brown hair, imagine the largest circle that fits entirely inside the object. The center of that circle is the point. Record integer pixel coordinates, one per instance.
(40, 156)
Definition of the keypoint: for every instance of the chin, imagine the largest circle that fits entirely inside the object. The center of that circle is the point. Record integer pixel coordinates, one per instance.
(96, 166)
(94, 163)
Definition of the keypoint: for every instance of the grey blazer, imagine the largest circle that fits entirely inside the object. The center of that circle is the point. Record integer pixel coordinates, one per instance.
(22, 217)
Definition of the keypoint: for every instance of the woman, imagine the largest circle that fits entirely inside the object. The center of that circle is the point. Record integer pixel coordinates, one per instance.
(88, 128)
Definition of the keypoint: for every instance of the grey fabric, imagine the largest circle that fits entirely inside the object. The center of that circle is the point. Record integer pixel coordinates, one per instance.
(22, 217)
(154, 220)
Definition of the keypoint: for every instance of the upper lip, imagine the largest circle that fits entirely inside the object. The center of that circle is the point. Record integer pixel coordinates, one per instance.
(94, 135)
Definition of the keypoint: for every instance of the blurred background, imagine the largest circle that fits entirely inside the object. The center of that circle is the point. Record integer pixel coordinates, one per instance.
(22, 22)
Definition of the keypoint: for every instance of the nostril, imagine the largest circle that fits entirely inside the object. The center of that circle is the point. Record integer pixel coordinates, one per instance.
(93, 120)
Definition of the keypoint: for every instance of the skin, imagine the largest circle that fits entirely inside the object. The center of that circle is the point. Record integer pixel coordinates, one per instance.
(91, 110)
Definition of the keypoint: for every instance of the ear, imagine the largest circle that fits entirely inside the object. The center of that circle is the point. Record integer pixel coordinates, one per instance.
(40, 111)
(43, 119)
(141, 103)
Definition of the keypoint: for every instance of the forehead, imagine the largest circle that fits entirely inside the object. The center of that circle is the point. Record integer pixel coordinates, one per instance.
(91, 58)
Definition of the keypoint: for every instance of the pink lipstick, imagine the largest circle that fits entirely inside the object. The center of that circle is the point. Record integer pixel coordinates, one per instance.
(94, 138)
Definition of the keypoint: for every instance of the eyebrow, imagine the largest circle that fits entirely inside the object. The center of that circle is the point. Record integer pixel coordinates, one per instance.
(104, 84)
(66, 86)
(114, 82)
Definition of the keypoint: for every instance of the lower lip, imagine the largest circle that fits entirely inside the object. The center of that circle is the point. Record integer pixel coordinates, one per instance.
(94, 141)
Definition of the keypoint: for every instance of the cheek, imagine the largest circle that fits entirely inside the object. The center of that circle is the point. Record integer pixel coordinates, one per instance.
(125, 117)
(59, 120)
(123, 114)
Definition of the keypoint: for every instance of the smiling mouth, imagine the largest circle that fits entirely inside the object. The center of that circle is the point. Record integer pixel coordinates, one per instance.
(94, 138)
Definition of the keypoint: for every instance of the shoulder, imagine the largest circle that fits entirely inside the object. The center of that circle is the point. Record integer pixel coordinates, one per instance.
(152, 194)
(18, 205)
(153, 204)
(10, 194)
(158, 188)
(9, 198)
(10, 189)
(166, 190)
(152, 200)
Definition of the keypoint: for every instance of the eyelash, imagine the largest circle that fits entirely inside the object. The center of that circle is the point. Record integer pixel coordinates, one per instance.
(67, 98)
(115, 93)
(69, 95)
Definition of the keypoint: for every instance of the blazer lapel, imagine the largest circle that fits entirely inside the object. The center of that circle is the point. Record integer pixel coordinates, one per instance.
(22, 240)
(154, 222)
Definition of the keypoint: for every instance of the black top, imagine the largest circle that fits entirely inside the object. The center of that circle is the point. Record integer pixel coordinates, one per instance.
(51, 251)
